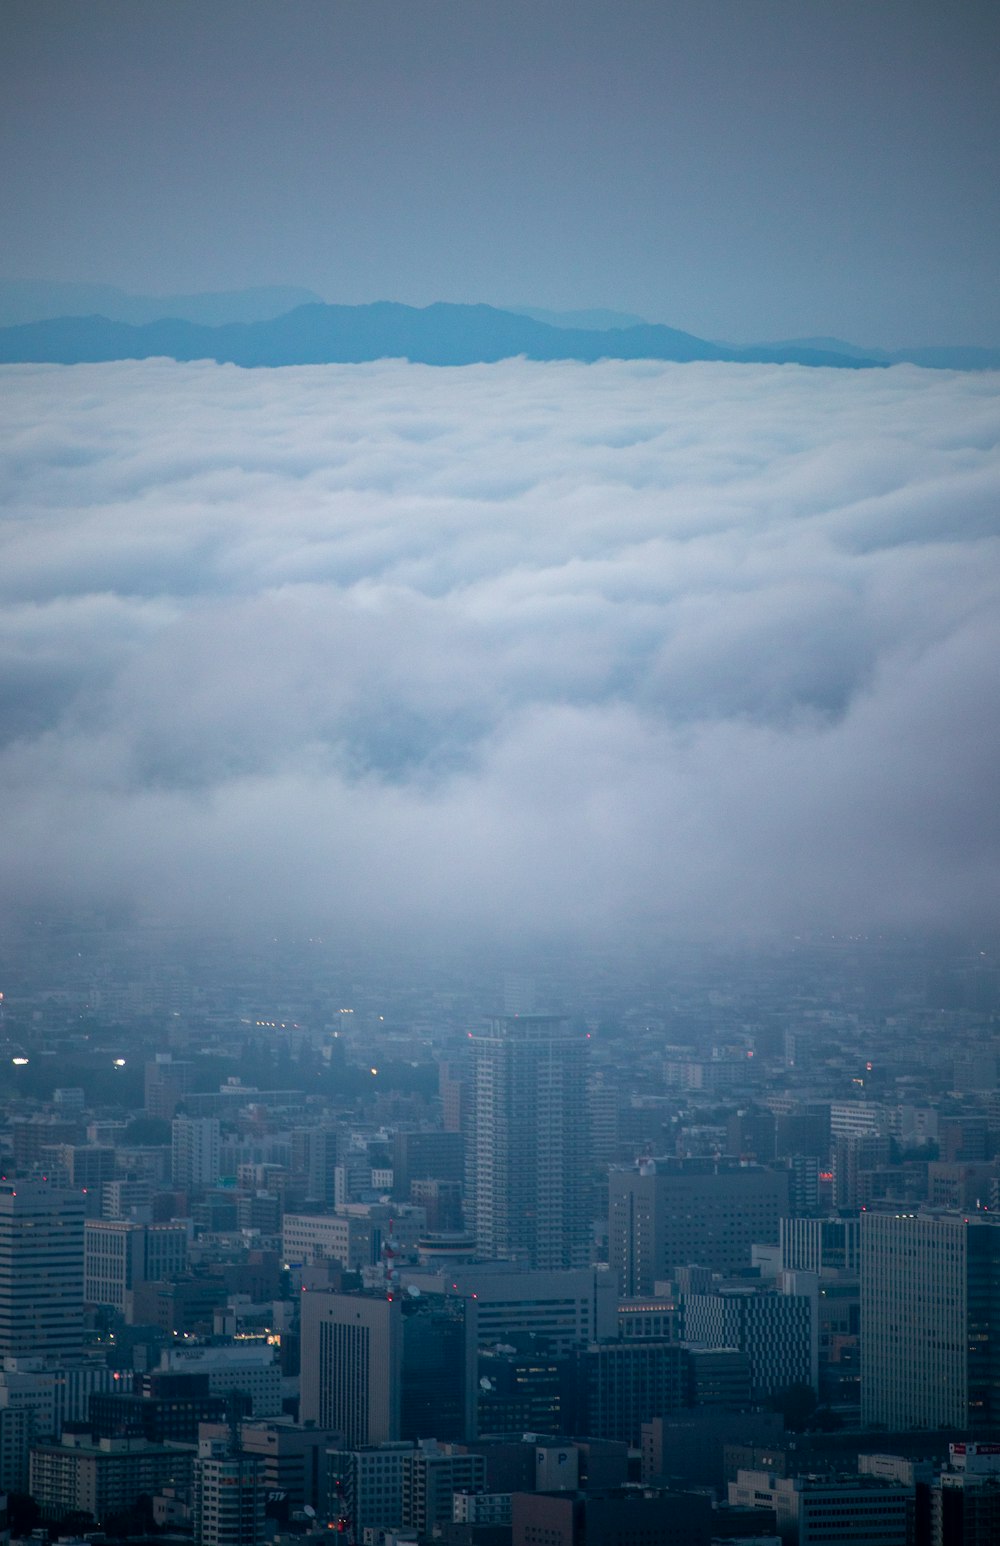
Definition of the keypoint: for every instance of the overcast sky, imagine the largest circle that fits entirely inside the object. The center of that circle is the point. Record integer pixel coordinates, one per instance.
(739, 168)
(623, 649)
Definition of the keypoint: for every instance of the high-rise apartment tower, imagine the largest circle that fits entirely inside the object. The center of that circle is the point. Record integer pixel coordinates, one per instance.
(528, 1145)
(41, 1270)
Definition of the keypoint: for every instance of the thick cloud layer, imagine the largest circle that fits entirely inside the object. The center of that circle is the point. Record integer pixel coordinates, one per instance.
(624, 648)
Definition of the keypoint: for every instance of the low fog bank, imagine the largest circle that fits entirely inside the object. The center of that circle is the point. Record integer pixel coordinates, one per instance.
(613, 650)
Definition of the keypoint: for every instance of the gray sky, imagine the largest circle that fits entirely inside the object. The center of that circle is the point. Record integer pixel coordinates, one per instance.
(738, 168)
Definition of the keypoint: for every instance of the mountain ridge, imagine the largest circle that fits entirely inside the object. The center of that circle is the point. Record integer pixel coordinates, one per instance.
(443, 333)
(27, 300)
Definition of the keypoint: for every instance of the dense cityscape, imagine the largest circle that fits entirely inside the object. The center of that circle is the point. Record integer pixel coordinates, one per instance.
(690, 1249)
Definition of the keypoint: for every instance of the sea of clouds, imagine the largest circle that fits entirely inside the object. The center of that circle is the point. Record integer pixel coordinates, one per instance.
(625, 649)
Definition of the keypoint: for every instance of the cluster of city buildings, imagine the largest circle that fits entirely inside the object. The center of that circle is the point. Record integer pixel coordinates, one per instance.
(725, 1268)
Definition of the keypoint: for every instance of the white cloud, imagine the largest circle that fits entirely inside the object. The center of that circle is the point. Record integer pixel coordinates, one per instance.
(621, 647)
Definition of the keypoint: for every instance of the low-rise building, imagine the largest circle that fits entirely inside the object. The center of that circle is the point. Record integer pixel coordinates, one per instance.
(103, 1477)
(832, 1510)
(432, 1475)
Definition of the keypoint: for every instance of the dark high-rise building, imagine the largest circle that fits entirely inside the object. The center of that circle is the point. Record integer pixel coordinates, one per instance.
(930, 1321)
(228, 1497)
(424, 1156)
(441, 1202)
(160, 1418)
(625, 1384)
(526, 1391)
(750, 1134)
(379, 1367)
(529, 1150)
(623, 1517)
(965, 1508)
(436, 1378)
(41, 1270)
(669, 1212)
(315, 1156)
(855, 1156)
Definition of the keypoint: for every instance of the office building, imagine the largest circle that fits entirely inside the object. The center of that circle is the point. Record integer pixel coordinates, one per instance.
(965, 1510)
(930, 1321)
(657, 1320)
(16, 1435)
(378, 1367)
(829, 1511)
(352, 1365)
(855, 1157)
(481, 1508)
(120, 1254)
(666, 1213)
(53, 1394)
(965, 1498)
(503, 1302)
(425, 1155)
(437, 1385)
(354, 1236)
(292, 1459)
(364, 1487)
(228, 1497)
(618, 1517)
(128, 1198)
(528, 1154)
(32, 1136)
(186, 1304)
(41, 1270)
(173, 1417)
(248, 1367)
(778, 1331)
(83, 1167)
(720, 1376)
(441, 1204)
(751, 1134)
(527, 1390)
(625, 1384)
(432, 1474)
(821, 1245)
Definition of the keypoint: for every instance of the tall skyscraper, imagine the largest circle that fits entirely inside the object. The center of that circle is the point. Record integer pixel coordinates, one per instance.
(528, 1144)
(377, 1366)
(352, 1363)
(930, 1321)
(41, 1270)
